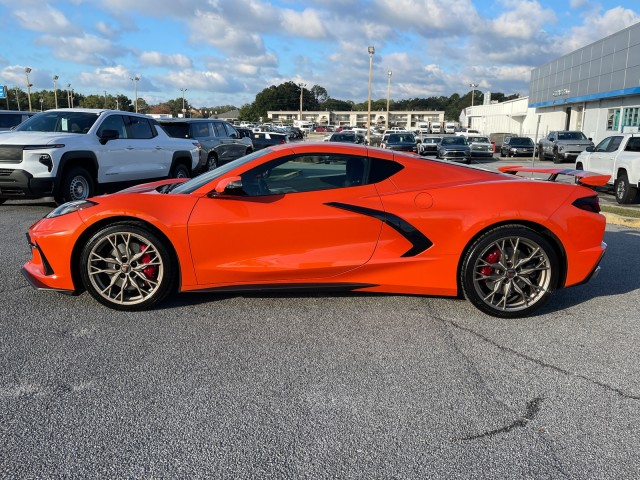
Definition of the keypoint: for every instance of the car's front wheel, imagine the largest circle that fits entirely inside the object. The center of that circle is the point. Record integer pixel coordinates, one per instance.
(509, 272)
(180, 171)
(77, 184)
(126, 266)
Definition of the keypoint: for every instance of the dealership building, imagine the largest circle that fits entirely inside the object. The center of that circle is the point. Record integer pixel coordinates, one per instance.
(595, 89)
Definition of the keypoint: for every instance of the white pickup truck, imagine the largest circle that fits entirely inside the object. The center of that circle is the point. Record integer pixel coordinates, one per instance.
(73, 154)
(618, 156)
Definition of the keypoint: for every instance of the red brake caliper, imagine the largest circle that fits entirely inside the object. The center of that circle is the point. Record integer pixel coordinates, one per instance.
(151, 272)
(492, 257)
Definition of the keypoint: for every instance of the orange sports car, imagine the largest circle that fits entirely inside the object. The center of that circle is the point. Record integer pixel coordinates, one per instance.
(329, 215)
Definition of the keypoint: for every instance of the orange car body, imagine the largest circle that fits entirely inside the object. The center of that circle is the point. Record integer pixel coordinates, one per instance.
(404, 234)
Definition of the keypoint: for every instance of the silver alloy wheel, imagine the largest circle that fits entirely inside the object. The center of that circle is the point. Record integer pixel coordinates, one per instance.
(125, 268)
(512, 274)
(79, 188)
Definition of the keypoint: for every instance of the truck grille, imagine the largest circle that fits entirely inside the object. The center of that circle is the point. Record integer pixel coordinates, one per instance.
(11, 153)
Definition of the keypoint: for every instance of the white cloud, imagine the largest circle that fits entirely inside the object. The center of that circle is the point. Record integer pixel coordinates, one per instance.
(598, 26)
(306, 24)
(44, 19)
(160, 59)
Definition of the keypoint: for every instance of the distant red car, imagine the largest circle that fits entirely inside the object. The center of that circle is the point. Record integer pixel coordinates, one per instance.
(328, 215)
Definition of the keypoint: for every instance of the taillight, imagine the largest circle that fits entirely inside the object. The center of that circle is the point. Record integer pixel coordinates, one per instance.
(590, 204)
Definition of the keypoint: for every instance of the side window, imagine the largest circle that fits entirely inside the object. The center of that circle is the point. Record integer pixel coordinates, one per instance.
(200, 129)
(306, 173)
(603, 145)
(113, 122)
(218, 129)
(382, 169)
(139, 128)
(615, 143)
(633, 145)
(231, 131)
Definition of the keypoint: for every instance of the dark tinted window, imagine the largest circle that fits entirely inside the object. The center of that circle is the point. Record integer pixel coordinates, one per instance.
(113, 122)
(382, 169)
(521, 142)
(218, 129)
(633, 145)
(139, 128)
(8, 120)
(177, 130)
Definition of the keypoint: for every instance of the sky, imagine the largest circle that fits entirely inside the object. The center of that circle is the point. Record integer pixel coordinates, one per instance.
(224, 52)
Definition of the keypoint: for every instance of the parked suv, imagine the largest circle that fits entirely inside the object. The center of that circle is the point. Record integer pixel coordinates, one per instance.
(73, 154)
(517, 147)
(13, 118)
(220, 141)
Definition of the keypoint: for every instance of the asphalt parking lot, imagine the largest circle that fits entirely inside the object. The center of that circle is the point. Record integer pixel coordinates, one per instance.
(318, 386)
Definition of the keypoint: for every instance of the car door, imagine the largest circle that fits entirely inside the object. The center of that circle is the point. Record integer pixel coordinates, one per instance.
(237, 147)
(603, 156)
(137, 154)
(302, 218)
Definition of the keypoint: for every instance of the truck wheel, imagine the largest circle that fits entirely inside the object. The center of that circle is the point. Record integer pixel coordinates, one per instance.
(625, 193)
(77, 184)
(180, 171)
(556, 157)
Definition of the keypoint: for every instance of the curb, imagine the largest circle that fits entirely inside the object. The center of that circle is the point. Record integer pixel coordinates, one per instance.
(614, 219)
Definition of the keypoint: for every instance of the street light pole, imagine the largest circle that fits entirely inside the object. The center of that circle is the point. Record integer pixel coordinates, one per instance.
(55, 91)
(389, 73)
(302, 85)
(136, 79)
(27, 71)
(473, 91)
(184, 110)
(69, 95)
(371, 51)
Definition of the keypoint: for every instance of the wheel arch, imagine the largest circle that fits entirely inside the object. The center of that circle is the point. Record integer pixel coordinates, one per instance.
(182, 158)
(82, 158)
(89, 232)
(536, 227)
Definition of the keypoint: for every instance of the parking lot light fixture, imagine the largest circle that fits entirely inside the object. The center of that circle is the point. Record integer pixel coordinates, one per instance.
(184, 110)
(301, 85)
(135, 80)
(55, 91)
(69, 95)
(473, 91)
(371, 51)
(389, 73)
(27, 71)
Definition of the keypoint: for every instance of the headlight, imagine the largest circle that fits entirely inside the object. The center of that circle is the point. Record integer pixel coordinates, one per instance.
(70, 207)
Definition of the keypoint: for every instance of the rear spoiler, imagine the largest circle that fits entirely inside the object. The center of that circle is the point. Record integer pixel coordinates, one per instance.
(581, 177)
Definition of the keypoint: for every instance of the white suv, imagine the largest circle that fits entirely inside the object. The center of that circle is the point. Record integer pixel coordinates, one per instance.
(73, 154)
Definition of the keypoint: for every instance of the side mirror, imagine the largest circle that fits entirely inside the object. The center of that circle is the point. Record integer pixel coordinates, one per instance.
(108, 135)
(590, 149)
(229, 186)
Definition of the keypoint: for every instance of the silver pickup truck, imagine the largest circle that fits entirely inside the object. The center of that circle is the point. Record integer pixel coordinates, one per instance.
(563, 145)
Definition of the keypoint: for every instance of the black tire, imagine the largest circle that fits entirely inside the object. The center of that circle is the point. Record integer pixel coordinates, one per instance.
(579, 166)
(180, 171)
(125, 266)
(510, 271)
(556, 157)
(625, 193)
(77, 184)
(212, 163)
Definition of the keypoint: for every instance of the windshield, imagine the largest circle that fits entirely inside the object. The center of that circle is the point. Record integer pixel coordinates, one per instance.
(478, 139)
(571, 136)
(453, 141)
(197, 182)
(521, 142)
(67, 121)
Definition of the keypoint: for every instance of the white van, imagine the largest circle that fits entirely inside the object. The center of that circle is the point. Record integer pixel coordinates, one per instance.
(435, 127)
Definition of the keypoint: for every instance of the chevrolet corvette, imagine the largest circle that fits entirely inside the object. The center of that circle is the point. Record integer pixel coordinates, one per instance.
(329, 215)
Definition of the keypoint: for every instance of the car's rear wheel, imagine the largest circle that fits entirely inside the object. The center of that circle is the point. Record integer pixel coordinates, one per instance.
(180, 171)
(212, 162)
(509, 272)
(625, 193)
(125, 266)
(77, 184)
